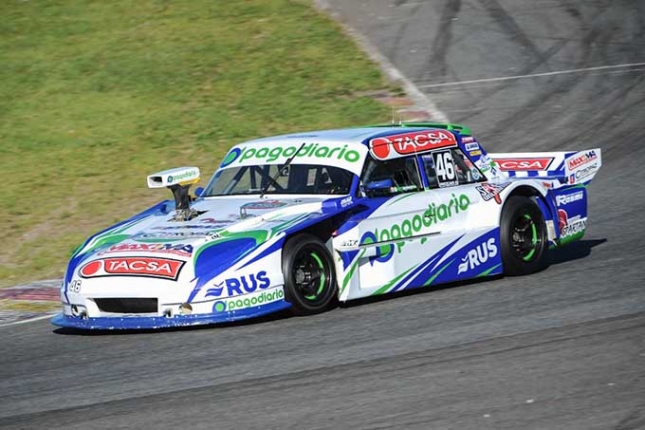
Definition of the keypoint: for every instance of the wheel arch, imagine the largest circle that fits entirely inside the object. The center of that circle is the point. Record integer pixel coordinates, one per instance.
(323, 229)
(525, 190)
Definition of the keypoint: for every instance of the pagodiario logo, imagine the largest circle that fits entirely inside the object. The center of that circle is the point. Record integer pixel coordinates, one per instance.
(412, 226)
(270, 154)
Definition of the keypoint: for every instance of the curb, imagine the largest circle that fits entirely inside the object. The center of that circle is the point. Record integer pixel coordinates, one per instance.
(28, 302)
(420, 106)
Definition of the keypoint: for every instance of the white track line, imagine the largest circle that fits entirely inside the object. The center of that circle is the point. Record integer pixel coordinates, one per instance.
(535, 75)
(42, 317)
(417, 96)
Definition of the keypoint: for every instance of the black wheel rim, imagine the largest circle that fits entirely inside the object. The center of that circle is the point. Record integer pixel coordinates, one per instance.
(525, 237)
(311, 275)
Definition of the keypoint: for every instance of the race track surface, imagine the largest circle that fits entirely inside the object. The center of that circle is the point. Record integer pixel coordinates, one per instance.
(562, 349)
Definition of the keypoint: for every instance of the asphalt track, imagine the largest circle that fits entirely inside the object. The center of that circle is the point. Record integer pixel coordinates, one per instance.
(562, 349)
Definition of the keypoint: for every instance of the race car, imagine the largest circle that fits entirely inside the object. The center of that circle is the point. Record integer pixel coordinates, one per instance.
(302, 221)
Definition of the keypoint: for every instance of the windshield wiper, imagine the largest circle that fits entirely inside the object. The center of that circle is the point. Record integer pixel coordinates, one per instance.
(280, 170)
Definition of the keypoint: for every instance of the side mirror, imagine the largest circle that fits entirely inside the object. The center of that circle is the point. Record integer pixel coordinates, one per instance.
(199, 191)
(384, 186)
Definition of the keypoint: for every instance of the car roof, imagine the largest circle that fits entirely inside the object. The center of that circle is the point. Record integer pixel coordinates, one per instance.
(360, 135)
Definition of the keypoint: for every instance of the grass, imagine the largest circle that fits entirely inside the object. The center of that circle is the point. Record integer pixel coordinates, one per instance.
(96, 95)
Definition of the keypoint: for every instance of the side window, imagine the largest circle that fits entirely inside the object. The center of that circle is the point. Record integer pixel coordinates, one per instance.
(467, 172)
(399, 175)
(449, 168)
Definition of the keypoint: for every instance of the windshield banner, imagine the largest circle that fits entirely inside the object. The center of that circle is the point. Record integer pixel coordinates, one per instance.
(346, 156)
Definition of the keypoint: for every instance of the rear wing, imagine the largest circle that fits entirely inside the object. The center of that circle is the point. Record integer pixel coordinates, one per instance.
(566, 167)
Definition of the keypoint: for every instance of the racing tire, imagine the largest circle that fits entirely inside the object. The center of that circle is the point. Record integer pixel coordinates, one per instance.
(523, 237)
(309, 277)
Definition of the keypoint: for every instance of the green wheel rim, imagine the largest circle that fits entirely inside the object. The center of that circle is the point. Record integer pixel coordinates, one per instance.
(321, 283)
(524, 238)
(534, 240)
(311, 275)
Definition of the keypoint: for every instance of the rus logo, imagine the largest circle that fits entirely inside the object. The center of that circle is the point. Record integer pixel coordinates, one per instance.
(243, 285)
(478, 256)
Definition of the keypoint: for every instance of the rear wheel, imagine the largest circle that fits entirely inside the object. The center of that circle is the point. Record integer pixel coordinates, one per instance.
(523, 237)
(309, 278)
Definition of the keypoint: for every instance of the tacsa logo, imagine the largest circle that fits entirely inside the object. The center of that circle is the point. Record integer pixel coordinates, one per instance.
(478, 256)
(132, 266)
(410, 143)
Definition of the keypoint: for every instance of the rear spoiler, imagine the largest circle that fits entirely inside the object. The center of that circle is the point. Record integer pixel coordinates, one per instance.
(567, 167)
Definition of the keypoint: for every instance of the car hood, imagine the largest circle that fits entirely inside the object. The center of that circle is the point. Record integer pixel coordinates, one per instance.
(225, 229)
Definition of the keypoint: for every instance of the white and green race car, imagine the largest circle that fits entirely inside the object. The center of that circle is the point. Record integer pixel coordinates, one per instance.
(300, 221)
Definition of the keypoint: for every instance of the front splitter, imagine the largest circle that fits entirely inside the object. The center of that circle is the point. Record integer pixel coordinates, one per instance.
(149, 323)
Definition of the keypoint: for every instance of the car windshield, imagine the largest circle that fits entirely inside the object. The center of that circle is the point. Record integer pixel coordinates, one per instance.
(292, 179)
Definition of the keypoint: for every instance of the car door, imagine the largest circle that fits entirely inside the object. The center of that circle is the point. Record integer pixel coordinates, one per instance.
(469, 222)
(400, 223)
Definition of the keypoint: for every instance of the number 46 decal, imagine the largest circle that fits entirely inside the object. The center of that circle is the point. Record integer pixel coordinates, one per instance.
(445, 167)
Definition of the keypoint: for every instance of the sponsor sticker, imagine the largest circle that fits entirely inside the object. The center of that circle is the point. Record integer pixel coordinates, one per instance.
(570, 226)
(584, 172)
(240, 285)
(216, 221)
(346, 201)
(411, 226)
(270, 153)
(383, 148)
(132, 266)
(169, 235)
(537, 163)
(564, 200)
(491, 191)
(467, 139)
(180, 227)
(350, 243)
(478, 256)
(582, 159)
(249, 300)
(472, 146)
(263, 205)
(184, 250)
(183, 176)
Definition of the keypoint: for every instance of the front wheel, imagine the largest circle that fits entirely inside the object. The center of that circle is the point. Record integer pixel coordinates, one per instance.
(309, 277)
(523, 237)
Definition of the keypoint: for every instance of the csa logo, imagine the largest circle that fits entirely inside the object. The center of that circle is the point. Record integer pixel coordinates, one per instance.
(133, 266)
(524, 164)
